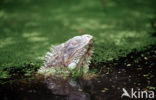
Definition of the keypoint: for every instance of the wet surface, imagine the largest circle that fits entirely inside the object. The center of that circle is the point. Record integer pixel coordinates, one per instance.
(136, 70)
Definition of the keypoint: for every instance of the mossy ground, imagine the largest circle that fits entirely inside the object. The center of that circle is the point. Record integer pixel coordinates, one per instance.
(28, 28)
(66, 73)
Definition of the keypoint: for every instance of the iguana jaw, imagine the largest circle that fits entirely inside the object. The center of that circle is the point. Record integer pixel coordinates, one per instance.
(84, 59)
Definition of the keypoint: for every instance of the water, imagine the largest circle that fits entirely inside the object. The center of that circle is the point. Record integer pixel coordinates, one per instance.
(49, 88)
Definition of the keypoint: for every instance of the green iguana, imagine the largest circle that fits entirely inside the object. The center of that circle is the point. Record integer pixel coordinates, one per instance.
(73, 53)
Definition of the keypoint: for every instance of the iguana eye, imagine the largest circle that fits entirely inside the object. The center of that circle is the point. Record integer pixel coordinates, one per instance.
(74, 43)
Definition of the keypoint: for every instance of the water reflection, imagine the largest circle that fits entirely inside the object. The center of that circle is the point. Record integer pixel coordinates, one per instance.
(42, 88)
(69, 88)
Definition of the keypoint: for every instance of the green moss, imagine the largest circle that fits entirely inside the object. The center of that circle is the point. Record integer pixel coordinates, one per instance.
(27, 32)
(63, 72)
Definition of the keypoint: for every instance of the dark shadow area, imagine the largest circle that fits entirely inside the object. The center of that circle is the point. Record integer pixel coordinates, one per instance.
(25, 90)
(153, 25)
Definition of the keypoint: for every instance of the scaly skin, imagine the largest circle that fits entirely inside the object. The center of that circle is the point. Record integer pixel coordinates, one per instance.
(72, 53)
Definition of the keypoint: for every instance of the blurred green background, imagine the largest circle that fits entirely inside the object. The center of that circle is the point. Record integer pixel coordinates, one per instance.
(28, 28)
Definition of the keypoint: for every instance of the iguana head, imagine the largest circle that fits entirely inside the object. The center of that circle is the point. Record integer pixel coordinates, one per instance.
(77, 51)
(73, 53)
